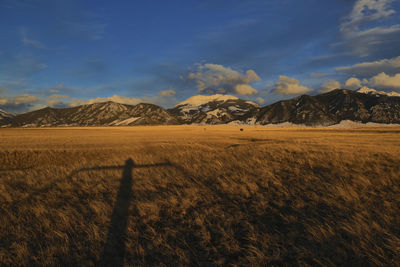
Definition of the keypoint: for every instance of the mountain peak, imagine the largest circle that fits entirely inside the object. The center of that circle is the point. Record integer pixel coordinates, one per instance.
(105, 103)
(199, 100)
(366, 90)
(215, 109)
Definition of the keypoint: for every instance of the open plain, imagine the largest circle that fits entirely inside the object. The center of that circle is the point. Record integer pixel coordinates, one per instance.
(200, 196)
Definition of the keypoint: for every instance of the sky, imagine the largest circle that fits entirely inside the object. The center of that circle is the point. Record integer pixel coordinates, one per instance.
(66, 53)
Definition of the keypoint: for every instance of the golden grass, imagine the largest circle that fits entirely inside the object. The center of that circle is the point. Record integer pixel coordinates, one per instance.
(199, 196)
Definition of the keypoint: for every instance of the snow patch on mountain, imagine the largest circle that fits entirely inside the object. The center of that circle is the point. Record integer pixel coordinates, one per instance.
(344, 124)
(214, 109)
(236, 109)
(5, 114)
(199, 100)
(366, 90)
(124, 122)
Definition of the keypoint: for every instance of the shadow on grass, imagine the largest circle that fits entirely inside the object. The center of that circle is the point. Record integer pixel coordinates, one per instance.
(278, 232)
(114, 249)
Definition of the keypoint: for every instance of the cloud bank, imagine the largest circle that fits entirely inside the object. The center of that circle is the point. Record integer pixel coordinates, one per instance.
(260, 100)
(289, 86)
(329, 86)
(214, 78)
(365, 33)
(365, 11)
(168, 92)
(367, 69)
(18, 103)
(385, 81)
(116, 98)
(352, 83)
(165, 97)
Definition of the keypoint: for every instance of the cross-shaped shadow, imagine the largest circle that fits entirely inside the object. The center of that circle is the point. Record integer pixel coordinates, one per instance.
(114, 249)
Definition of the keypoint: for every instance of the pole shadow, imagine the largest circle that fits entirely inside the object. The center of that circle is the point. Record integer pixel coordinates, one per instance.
(114, 250)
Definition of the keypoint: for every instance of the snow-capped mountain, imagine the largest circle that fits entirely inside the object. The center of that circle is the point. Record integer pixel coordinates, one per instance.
(370, 91)
(98, 114)
(332, 108)
(324, 109)
(215, 109)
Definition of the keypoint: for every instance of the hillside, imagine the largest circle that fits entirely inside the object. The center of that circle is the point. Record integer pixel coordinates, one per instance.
(332, 107)
(215, 109)
(98, 114)
(320, 110)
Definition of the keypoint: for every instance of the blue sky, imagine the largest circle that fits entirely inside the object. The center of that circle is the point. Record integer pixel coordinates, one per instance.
(65, 53)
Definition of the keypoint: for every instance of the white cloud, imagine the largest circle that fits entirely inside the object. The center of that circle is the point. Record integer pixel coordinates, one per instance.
(74, 102)
(164, 98)
(18, 103)
(329, 86)
(384, 81)
(24, 99)
(363, 43)
(289, 86)
(389, 66)
(214, 78)
(56, 101)
(365, 11)
(245, 89)
(168, 92)
(363, 33)
(118, 99)
(260, 100)
(352, 83)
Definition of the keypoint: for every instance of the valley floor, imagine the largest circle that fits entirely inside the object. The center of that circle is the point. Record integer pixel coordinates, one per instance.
(200, 195)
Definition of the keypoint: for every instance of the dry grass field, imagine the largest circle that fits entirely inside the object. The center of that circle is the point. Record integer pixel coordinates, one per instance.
(200, 196)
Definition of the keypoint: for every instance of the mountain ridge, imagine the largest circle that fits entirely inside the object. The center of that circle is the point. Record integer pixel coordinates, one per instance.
(366, 90)
(332, 108)
(98, 114)
(324, 109)
(214, 109)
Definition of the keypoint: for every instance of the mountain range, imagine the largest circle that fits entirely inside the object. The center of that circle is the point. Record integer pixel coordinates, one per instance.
(366, 105)
(98, 114)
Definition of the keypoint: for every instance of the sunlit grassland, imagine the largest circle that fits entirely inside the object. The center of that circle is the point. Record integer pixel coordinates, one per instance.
(200, 195)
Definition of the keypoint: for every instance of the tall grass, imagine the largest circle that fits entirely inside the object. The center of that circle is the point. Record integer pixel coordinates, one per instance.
(200, 196)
